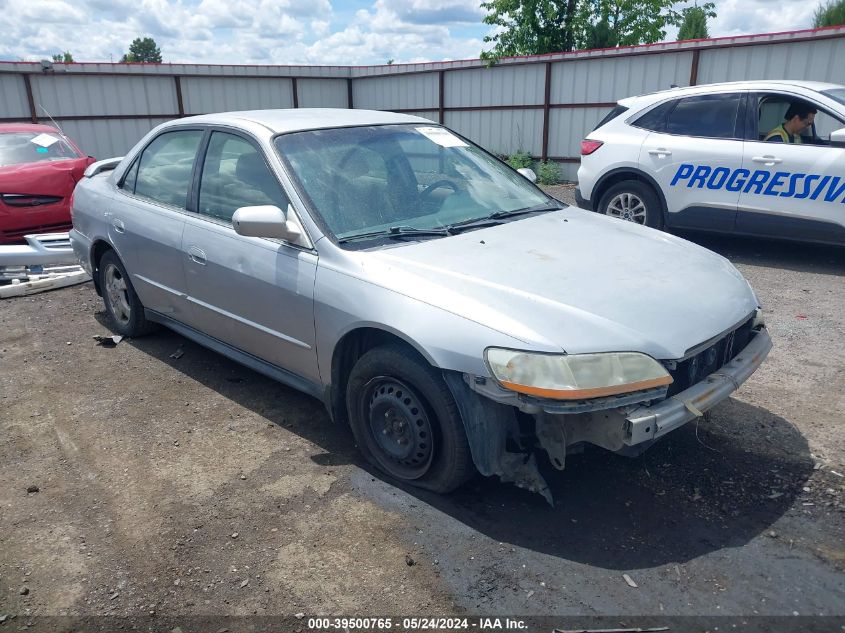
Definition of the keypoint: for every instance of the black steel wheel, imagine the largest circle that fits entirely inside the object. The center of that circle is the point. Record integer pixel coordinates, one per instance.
(405, 420)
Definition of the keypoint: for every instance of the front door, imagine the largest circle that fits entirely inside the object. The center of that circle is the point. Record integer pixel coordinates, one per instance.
(795, 190)
(252, 293)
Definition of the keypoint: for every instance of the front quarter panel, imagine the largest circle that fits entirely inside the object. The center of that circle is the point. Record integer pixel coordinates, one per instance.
(345, 302)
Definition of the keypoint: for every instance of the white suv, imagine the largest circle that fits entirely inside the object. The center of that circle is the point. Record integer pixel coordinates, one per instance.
(695, 158)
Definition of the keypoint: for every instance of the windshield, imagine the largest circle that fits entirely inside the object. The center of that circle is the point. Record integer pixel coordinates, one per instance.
(363, 180)
(838, 94)
(17, 148)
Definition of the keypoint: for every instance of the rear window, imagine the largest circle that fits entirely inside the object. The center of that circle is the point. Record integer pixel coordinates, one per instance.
(18, 148)
(706, 116)
(655, 119)
(610, 116)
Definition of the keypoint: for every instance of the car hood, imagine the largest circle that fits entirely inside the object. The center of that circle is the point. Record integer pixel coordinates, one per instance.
(49, 178)
(576, 281)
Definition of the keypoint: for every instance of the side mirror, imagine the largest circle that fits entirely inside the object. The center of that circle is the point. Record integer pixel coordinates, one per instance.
(528, 173)
(265, 221)
(837, 137)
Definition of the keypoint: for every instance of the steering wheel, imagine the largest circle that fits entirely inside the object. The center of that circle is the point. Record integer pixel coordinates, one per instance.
(437, 184)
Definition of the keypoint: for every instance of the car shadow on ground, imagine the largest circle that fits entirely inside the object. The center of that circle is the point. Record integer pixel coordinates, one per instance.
(703, 488)
(814, 258)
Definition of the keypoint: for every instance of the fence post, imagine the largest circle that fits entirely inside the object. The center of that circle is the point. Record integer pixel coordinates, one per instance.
(33, 113)
(546, 111)
(441, 109)
(177, 82)
(693, 73)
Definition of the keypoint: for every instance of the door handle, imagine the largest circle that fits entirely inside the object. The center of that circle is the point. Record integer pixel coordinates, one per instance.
(118, 225)
(767, 160)
(660, 151)
(197, 255)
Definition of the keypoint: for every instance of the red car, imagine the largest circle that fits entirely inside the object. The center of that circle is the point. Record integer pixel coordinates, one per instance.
(39, 168)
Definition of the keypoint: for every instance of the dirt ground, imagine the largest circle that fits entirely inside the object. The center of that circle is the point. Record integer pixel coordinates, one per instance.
(182, 486)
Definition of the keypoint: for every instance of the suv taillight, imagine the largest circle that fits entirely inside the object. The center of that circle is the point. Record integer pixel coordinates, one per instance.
(588, 146)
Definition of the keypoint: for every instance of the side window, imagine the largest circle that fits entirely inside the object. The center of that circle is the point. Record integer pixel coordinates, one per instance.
(771, 113)
(166, 165)
(131, 177)
(707, 116)
(655, 119)
(235, 175)
(611, 115)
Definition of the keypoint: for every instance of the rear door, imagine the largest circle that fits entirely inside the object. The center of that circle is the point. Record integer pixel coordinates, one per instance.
(794, 191)
(252, 293)
(694, 151)
(148, 216)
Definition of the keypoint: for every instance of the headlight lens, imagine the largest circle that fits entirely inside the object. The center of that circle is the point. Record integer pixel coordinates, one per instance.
(575, 376)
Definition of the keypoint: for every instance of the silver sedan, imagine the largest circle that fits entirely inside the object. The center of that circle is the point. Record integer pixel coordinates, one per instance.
(454, 315)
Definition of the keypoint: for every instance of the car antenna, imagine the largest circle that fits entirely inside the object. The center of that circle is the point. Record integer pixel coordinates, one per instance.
(58, 127)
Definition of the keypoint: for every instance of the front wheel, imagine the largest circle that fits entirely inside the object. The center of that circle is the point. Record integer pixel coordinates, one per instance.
(633, 201)
(405, 420)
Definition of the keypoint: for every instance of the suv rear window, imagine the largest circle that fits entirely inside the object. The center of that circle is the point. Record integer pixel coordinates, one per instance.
(655, 119)
(708, 116)
(610, 116)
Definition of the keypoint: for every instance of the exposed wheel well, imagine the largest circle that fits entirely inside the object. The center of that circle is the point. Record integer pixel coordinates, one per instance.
(348, 350)
(99, 249)
(622, 175)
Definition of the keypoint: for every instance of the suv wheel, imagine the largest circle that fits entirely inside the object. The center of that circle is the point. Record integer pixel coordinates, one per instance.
(633, 201)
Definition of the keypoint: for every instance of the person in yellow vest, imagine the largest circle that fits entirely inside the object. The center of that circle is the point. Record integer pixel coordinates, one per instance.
(798, 117)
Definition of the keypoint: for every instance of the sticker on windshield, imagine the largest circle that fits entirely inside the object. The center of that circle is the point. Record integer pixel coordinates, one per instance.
(44, 140)
(441, 136)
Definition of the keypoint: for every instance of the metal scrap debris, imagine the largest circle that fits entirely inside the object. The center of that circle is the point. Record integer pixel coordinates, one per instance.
(177, 354)
(108, 341)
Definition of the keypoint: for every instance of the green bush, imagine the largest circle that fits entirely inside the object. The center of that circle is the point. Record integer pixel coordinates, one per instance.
(548, 173)
(520, 160)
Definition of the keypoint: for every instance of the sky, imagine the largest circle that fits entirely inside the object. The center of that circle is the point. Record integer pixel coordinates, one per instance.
(324, 32)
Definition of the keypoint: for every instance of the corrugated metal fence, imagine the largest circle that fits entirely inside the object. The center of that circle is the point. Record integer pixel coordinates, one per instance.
(541, 104)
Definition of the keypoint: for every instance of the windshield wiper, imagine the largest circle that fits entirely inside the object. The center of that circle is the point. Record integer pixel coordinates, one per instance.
(395, 232)
(495, 218)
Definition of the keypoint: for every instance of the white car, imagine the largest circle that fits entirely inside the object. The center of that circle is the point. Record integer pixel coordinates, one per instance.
(696, 158)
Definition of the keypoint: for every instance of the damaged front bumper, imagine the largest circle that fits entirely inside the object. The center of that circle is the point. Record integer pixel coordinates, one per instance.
(649, 423)
(494, 418)
(19, 260)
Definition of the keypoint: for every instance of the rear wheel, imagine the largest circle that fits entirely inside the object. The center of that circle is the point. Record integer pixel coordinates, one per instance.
(122, 304)
(633, 201)
(405, 420)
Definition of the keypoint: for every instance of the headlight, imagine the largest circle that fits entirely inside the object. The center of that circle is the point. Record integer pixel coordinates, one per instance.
(575, 376)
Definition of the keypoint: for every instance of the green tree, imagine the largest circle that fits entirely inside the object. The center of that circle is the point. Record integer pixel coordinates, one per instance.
(143, 50)
(63, 58)
(534, 27)
(606, 23)
(531, 27)
(830, 14)
(694, 22)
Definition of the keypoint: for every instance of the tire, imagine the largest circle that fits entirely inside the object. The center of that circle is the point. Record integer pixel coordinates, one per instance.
(634, 201)
(125, 310)
(405, 420)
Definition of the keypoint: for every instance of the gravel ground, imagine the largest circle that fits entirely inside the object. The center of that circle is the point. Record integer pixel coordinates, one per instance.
(193, 486)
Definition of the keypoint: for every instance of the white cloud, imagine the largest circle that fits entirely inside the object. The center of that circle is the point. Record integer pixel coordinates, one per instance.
(295, 31)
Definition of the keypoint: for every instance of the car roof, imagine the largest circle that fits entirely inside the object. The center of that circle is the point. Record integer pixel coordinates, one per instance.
(298, 119)
(815, 86)
(26, 127)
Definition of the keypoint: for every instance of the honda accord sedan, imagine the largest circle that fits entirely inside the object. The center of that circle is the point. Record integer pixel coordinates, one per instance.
(456, 317)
